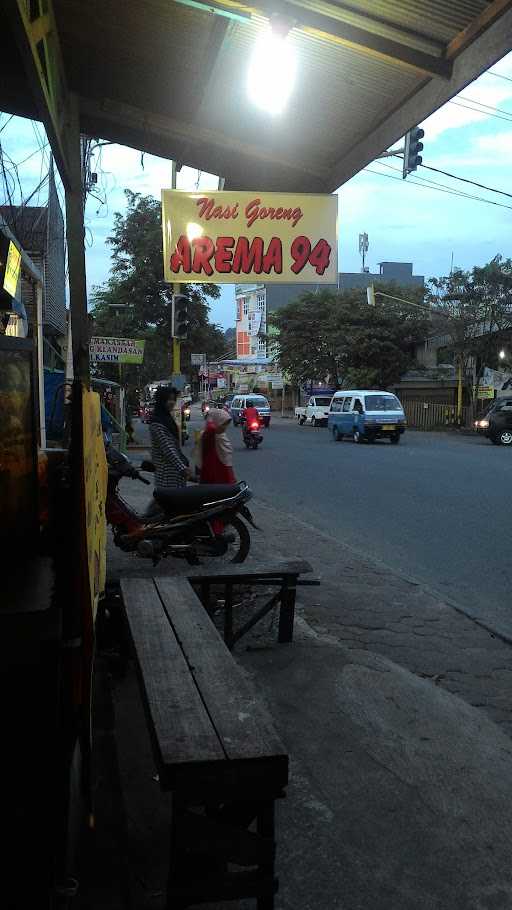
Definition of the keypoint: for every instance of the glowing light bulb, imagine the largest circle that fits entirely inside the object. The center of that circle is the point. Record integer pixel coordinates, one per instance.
(194, 230)
(272, 72)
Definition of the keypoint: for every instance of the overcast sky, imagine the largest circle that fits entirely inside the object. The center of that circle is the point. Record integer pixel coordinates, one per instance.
(404, 221)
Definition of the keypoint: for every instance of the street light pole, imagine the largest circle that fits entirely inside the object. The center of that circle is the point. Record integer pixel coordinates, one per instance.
(459, 390)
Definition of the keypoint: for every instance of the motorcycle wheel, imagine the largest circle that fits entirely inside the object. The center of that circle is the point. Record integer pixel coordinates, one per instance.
(238, 551)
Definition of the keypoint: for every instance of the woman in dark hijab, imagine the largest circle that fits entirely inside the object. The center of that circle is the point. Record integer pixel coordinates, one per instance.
(171, 465)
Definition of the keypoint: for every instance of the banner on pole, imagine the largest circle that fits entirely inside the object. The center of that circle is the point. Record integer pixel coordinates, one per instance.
(239, 238)
(116, 350)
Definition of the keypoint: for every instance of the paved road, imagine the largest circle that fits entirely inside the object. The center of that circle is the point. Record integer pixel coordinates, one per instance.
(437, 507)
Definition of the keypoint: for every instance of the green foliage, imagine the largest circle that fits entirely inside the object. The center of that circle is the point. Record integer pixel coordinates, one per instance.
(474, 310)
(137, 283)
(338, 337)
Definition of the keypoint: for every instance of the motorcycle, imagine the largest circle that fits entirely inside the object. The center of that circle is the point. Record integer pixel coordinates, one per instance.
(251, 433)
(189, 522)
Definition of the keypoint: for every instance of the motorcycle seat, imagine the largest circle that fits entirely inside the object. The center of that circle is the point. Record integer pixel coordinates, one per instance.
(186, 499)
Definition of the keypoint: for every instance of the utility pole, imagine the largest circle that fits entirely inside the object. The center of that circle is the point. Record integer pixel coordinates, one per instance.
(176, 364)
(459, 391)
(363, 248)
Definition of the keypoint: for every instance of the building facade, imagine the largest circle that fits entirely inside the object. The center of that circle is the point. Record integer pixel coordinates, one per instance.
(40, 231)
(251, 323)
(254, 302)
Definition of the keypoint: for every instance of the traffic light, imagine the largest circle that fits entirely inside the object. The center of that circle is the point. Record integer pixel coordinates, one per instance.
(180, 317)
(413, 147)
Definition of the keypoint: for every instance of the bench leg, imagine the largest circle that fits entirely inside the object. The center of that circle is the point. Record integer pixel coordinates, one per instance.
(228, 616)
(287, 612)
(265, 827)
(177, 856)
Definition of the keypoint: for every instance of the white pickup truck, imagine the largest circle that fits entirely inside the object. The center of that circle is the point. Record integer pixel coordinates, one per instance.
(316, 411)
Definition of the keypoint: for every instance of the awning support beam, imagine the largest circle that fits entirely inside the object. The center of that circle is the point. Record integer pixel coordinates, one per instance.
(75, 232)
(38, 42)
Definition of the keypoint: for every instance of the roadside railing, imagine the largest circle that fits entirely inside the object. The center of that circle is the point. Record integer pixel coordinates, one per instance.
(428, 415)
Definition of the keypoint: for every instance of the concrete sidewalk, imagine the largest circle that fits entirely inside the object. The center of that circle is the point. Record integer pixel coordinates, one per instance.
(396, 712)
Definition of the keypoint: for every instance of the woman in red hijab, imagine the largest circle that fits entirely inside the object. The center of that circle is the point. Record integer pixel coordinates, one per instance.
(216, 449)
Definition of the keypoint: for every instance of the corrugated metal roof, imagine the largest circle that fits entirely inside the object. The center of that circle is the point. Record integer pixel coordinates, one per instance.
(355, 94)
(171, 79)
(437, 20)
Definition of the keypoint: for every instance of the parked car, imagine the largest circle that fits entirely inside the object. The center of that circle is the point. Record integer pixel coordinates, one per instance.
(241, 402)
(366, 415)
(316, 412)
(496, 423)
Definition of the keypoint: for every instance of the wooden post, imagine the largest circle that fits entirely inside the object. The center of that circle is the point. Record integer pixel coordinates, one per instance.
(75, 232)
(287, 611)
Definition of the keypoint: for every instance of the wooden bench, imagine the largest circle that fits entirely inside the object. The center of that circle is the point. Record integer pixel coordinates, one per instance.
(214, 745)
(285, 576)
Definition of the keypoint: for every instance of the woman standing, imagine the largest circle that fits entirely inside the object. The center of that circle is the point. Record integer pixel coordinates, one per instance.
(171, 465)
(216, 449)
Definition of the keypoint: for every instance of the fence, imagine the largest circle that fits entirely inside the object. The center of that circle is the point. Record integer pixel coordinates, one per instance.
(426, 415)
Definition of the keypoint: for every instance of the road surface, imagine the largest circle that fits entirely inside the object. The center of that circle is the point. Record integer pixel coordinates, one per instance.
(436, 508)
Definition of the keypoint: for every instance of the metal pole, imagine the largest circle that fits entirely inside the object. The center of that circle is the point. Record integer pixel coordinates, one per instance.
(176, 360)
(76, 253)
(459, 392)
(40, 363)
(282, 402)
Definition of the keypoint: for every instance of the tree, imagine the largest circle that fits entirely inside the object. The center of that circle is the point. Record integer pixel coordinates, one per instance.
(339, 338)
(304, 348)
(136, 302)
(474, 310)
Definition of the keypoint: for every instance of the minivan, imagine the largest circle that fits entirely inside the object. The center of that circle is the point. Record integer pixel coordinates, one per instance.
(366, 415)
(241, 402)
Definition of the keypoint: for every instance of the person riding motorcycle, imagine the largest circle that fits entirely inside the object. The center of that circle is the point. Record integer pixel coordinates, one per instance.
(250, 418)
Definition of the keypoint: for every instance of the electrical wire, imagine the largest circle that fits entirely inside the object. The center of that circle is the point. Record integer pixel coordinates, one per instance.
(490, 107)
(440, 188)
(484, 113)
(449, 189)
(499, 75)
(6, 123)
(481, 186)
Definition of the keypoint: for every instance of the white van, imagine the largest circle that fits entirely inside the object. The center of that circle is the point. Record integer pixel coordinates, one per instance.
(366, 415)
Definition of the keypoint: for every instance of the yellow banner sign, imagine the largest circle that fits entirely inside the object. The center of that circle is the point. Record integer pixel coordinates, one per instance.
(12, 269)
(95, 491)
(240, 238)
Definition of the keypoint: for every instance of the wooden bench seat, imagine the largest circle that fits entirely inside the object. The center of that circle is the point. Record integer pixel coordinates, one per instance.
(214, 745)
(285, 576)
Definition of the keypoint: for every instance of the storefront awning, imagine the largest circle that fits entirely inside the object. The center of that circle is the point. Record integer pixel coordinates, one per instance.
(170, 78)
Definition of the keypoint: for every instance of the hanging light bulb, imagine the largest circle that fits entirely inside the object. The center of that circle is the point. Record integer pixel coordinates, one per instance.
(272, 67)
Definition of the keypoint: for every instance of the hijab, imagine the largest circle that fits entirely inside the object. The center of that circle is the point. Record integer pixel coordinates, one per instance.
(161, 413)
(219, 418)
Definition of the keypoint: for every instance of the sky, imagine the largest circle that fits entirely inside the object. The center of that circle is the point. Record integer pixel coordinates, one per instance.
(404, 221)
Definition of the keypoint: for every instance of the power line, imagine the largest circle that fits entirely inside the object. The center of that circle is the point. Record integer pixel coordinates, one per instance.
(491, 107)
(6, 123)
(482, 186)
(499, 75)
(441, 189)
(477, 111)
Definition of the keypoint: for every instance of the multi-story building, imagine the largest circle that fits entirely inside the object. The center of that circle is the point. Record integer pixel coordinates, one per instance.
(254, 302)
(251, 323)
(40, 231)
